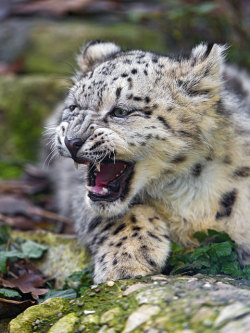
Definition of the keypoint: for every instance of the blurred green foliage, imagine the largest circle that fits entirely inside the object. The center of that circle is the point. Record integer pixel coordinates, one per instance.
(185, 23)
(53, 46)
(25, 102)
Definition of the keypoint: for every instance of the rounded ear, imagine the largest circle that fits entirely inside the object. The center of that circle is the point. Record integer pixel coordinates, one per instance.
(96, 52)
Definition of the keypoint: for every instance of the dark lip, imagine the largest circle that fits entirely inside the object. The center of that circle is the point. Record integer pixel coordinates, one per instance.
(120, 184)
(82, 160)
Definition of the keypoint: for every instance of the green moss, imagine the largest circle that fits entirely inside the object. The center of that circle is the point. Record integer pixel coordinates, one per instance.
(65, 324)
(106, 298)
(9, 170)
(25, 103)
(53, 46)
(26, 321)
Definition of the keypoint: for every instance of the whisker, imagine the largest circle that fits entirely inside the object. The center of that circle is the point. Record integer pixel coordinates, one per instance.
(52, 157)
(51, 153)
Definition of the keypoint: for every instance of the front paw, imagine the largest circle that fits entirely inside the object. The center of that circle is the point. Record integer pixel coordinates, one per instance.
(127, 265)
(138, 244)
(119, 273)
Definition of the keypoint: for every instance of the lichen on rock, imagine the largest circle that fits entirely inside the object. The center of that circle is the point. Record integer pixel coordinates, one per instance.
(176, 304)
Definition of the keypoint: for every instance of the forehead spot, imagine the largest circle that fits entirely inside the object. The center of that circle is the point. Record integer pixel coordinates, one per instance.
(127, 61)
(118, 92)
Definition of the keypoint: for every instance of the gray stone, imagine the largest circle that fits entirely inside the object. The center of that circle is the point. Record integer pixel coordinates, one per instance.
(231, 312)
(139, 316)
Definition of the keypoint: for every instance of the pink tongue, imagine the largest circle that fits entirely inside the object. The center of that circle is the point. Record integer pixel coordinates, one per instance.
(108, 172)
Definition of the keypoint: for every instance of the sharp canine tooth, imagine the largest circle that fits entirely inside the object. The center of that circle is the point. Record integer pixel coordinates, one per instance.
(104, 190)
(98, 167)
(76, 165)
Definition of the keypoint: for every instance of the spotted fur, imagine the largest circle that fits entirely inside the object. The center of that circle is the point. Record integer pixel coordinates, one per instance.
(186, 129)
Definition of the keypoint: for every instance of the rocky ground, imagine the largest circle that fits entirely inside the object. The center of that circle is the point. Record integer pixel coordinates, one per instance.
(159, 303)
(154, 304)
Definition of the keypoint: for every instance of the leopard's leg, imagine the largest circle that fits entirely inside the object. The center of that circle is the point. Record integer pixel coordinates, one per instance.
(135, 244)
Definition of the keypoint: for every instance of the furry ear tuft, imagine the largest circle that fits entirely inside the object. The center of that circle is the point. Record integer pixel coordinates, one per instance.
(96, 52)
(203, 70)
(212, 54)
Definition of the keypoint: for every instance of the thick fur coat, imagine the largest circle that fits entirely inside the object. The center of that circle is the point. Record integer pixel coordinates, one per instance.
(177, 131)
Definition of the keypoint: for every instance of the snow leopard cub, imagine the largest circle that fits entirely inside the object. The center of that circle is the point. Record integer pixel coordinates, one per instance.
(162, 150)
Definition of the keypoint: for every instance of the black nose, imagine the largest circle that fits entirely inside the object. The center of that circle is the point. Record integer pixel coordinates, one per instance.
(73, 145)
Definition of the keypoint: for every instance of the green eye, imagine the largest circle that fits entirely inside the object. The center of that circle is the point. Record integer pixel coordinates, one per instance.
(119, 113)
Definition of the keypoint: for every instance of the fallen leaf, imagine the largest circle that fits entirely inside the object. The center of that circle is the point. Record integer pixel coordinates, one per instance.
(32, 249)
(38, 291)
(4, 255)
(55, 7)
(27, 283)
(12, 68)
(9, 293)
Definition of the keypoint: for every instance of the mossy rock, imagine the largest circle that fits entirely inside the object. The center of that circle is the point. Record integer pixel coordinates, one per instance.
(63, 257)
(152, 304)
(53, 45)
(25, 103)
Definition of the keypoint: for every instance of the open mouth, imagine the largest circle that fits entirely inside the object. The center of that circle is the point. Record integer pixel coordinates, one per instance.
(109, 180)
